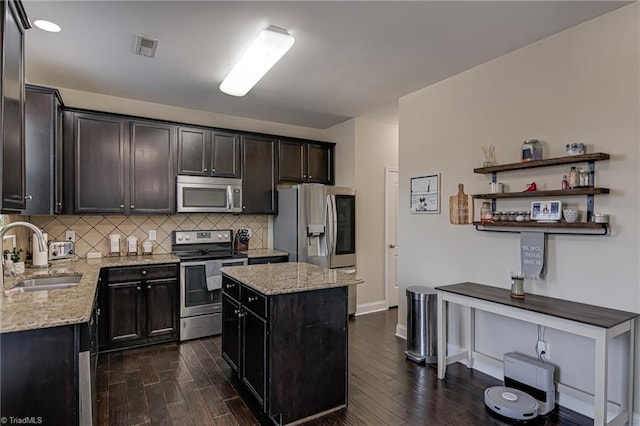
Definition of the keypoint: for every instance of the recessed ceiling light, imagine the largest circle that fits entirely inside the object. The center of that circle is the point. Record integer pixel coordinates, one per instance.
(47, 26)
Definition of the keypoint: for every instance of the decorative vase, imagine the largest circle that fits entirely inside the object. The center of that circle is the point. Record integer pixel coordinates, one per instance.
(18, 268)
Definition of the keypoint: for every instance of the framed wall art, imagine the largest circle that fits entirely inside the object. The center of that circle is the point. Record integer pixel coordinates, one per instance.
(425, 194)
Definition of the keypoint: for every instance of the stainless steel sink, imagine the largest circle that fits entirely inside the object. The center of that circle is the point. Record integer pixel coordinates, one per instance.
(49, 283)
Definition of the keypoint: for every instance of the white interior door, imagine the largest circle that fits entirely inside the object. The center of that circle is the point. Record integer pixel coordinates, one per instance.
(391, 240)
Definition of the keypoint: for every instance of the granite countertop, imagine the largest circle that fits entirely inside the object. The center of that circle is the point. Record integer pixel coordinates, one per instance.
(42, 309)
(280, 278)
(255, 253)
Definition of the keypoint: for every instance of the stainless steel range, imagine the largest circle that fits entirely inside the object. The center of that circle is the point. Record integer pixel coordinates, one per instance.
(202, 254)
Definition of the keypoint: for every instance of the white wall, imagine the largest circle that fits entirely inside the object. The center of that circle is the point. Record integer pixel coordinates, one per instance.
(376, 147)
(364, 146)
(99, 102)
(581, 85)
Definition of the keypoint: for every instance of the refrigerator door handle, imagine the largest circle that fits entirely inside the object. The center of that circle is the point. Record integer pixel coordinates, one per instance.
(329, 232)
(334, 225)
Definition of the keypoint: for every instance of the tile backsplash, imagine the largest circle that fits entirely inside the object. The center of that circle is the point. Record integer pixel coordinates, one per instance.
(92, 232)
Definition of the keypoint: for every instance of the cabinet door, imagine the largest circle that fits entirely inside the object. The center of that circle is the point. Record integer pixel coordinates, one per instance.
(12, 107)
(254, 353)
(259, 175)
(225, 154)
(292, 162)
(194, 152)
(231, 331)
(319, 163)
(152, 181)
(58, 165)
(125, 312)
(43, 147)
(99, 142)
(162, 307)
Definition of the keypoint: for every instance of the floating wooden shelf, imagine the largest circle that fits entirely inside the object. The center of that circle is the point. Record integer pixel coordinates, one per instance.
(539, 194)
(590, 228)
(570, 159)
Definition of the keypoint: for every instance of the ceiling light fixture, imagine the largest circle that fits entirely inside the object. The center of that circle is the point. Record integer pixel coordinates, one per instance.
(263, 53)
(47, 26)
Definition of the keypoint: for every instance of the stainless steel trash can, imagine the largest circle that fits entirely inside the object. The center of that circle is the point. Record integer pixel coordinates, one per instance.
(422, 330)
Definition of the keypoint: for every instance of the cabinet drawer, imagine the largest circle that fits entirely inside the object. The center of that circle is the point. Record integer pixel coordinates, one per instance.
(231, 287)
(269, 259)
(135, 273)
(254, 301)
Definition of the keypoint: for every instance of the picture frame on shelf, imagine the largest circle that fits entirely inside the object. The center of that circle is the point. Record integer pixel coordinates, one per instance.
(425, 194)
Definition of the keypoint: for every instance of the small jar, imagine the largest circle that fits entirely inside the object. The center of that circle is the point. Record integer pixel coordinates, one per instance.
(503, 216)
(520, 217)
(527, 216)
(496, 216)
(485, 211)
(511, 217)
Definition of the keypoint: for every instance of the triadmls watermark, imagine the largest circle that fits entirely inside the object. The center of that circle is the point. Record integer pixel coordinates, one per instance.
(26, 420)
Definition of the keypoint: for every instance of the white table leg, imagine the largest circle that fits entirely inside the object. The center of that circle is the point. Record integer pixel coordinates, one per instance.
(630, 371)
(600, 392)
(442, 336)
(471, 337)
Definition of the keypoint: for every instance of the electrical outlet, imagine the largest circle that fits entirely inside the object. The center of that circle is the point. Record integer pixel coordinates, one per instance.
(70, 236)
(542, 348)
(152, 234)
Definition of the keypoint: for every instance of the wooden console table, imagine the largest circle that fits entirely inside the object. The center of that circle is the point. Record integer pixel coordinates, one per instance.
(595, 322)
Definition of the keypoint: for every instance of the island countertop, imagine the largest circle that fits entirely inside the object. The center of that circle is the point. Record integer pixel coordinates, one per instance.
(290, 277)
(31, 310)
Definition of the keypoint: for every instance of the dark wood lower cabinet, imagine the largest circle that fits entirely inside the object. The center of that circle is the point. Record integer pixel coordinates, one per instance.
(289, 350)
(268, 259)
(49, 375)
(140, 305)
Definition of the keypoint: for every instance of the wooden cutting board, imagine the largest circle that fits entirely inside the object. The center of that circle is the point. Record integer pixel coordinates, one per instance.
(460, 207)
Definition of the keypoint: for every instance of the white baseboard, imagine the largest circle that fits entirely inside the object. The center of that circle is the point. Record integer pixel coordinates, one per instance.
(369, 308)
(401, 331)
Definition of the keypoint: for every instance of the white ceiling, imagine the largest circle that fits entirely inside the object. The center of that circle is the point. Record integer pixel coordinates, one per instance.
(349, 58)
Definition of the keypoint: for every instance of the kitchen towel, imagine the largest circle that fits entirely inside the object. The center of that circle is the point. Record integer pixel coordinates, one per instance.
(212, 272)
(532, 254)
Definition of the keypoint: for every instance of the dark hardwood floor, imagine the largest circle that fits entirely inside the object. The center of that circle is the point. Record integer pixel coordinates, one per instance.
(191, 384)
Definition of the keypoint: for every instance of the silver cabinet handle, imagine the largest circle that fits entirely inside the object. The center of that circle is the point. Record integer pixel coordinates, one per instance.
(149, 287)
(236, 312)
(132, 206)
(138, 288)
(205, 170)
(28, 197)
(122, 206)
(304, 176)
(144, 272)
(252, 299)
(392, 246)
(213, 170)
(59, 204)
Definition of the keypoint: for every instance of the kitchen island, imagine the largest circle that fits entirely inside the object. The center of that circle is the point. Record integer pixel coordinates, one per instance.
(284, 333)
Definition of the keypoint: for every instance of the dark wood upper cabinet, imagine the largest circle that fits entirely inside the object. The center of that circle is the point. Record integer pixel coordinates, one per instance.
(122, 166)
(203, 152)
(259, 175)
(99, 153)
(151, 178)
(302, 162)
(225, 154)
(193, 151)
(13, 24)
(43, 147)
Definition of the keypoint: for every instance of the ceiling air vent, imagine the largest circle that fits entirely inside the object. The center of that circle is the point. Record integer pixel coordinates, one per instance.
(146, 46)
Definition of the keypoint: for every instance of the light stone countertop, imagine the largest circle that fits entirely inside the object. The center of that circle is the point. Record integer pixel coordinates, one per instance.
(42, 309)
(291, 277)
(256, 253)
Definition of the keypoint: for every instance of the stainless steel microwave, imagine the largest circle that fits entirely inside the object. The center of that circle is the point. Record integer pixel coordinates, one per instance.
(209, 195)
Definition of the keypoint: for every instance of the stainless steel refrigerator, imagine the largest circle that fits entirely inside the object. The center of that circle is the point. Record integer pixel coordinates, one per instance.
(317, 224)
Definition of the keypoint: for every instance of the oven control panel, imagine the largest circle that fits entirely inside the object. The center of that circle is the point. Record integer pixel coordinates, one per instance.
(202, 237)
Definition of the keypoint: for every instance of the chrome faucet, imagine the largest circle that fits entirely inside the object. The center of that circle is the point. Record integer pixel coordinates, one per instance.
(41, 242)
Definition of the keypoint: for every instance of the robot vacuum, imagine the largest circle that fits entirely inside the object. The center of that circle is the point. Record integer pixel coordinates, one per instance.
(510, 403)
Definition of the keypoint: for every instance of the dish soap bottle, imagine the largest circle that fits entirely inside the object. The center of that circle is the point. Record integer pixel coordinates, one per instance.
(573, 178)
(565, 184)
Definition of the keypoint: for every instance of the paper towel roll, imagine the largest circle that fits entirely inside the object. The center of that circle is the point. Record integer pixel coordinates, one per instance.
(39, 257)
